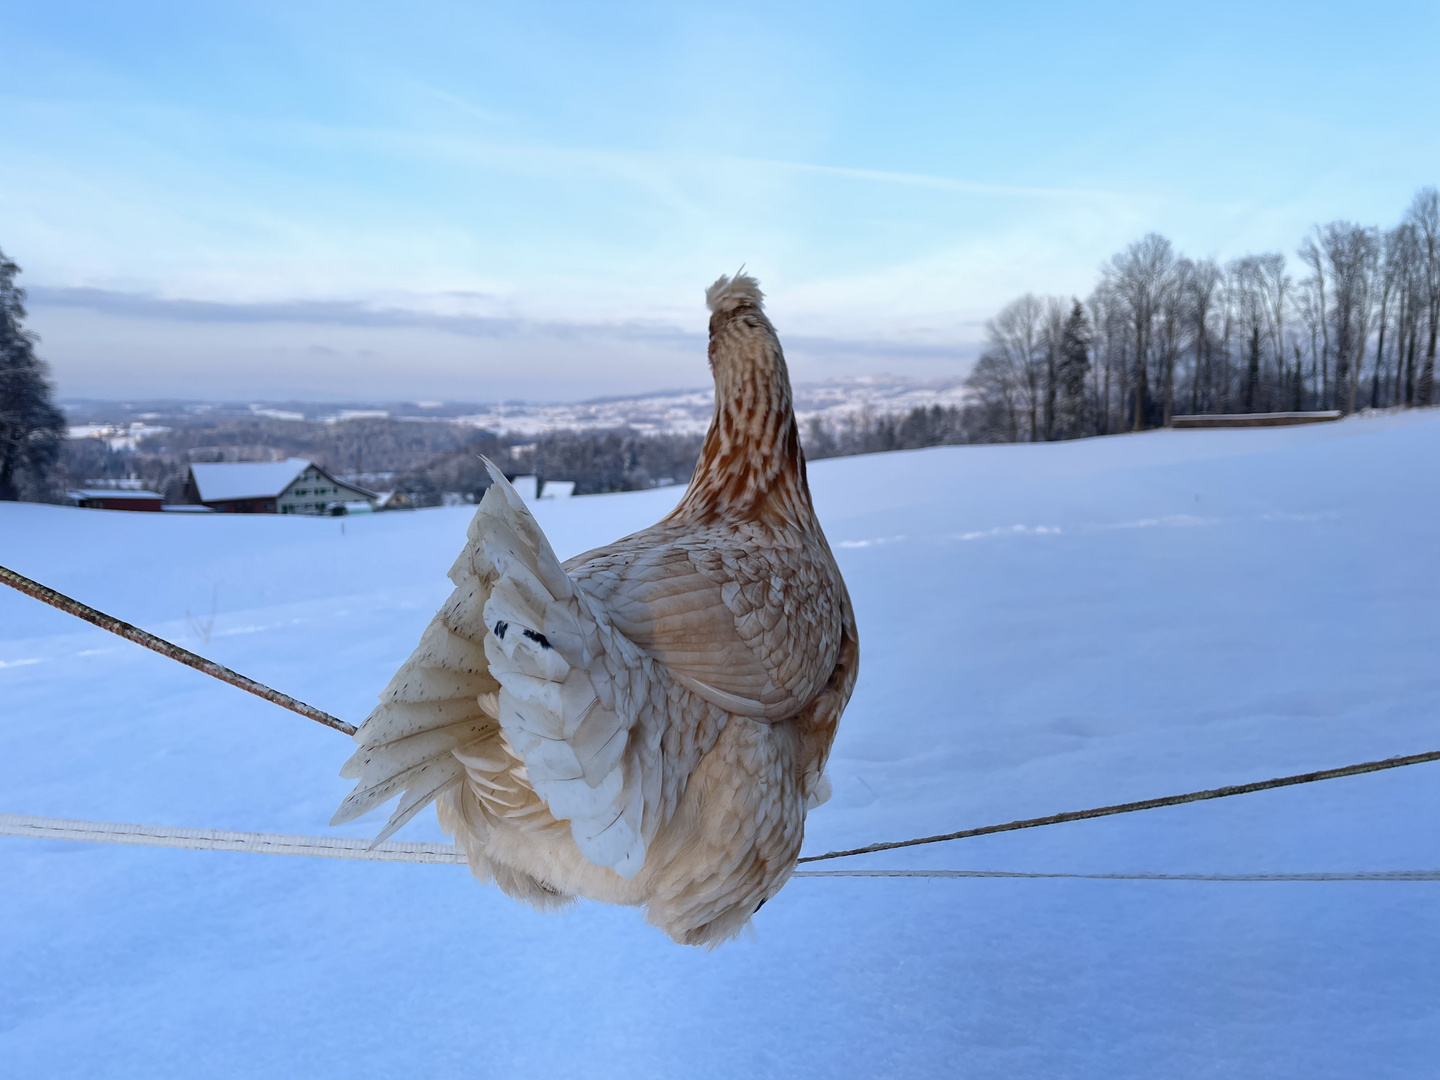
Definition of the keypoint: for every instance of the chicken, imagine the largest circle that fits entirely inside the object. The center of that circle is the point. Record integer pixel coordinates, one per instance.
(647, 723)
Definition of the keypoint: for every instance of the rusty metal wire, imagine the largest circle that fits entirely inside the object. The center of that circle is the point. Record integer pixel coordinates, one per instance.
(165, 648)
(1143, 804)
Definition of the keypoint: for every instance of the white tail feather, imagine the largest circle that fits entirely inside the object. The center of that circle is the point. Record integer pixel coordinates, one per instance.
(516, 624)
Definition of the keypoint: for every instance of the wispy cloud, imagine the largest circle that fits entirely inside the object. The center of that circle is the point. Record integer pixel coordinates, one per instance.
(350, 313)
(944, 183)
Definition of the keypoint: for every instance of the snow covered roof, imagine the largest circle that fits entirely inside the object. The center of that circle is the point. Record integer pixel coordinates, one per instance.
(112, 493)
(221, 481)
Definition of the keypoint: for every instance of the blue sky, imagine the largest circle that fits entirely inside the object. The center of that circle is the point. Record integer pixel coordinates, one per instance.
(493, 201)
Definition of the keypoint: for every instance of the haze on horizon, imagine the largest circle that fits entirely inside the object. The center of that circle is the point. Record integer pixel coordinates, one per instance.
(480, 202)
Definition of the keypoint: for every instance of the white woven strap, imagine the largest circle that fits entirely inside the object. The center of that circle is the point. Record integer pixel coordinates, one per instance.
(326, 847)
(419, 851)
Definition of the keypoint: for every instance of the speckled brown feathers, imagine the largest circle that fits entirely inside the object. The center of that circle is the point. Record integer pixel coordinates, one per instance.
(751, 466)
(648, 723)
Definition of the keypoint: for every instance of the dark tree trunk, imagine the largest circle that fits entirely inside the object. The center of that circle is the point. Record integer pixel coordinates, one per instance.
(1252, 370)
(1379, 362)
(1142, 391)
(1410, 368)
(1426, 384)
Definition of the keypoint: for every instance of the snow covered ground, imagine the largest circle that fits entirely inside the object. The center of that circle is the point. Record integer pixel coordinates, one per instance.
(1042, 627)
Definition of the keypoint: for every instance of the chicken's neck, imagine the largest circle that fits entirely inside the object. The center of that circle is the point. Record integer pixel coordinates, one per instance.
(751, 466)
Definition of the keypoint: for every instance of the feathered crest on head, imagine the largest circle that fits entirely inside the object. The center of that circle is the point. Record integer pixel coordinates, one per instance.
(729, 293)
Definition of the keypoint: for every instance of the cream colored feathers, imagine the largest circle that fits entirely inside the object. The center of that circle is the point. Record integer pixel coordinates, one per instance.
(647, 723)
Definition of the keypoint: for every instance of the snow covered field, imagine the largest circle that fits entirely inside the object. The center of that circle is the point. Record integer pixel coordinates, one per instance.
(1042, 628)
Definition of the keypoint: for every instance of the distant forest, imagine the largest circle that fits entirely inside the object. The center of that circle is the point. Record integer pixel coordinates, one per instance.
(1163, 335)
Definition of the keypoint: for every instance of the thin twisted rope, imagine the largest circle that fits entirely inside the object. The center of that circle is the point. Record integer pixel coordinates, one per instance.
(1143, 804)
(412, 851)
(47, 595)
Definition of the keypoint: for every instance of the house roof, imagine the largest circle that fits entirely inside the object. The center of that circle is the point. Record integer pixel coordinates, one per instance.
(222, 481)
(369, 495)
(112, 493)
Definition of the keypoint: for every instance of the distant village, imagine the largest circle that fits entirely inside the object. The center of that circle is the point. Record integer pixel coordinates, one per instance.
(312, 460)
(245, 462)
(292, 486)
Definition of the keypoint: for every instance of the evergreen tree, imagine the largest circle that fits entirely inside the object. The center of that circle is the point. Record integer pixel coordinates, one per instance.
(1070, 374)
(31, 427)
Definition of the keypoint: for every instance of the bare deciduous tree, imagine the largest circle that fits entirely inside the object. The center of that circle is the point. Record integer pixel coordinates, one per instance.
(1349, 252)
(1141, 278)
(1317, 294)
(1202, 285)
(1016, 341)
(1424, 216)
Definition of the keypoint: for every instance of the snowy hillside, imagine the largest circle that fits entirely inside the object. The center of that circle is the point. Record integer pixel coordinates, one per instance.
(688, 412)
(1042, 628)
(675, 412)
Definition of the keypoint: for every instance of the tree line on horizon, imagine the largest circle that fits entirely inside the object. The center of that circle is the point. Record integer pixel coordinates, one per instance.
(1162, 335)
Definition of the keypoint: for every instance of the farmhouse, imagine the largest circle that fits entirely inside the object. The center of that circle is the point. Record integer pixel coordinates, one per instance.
(293, 486)
(114, 499)
(395, 500)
